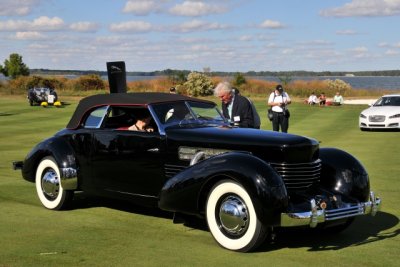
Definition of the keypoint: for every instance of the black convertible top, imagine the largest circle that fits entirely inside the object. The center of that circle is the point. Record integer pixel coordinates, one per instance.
(139, 99)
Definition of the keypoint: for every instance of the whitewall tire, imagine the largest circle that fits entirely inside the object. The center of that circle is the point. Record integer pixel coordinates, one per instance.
(232, 219)
(48, 185)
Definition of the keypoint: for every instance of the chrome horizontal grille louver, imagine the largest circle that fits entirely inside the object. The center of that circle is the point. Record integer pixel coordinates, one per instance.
(337, 214)
(299, 176)
(172, 170)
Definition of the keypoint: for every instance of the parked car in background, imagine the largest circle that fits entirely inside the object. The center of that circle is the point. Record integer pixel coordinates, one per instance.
(383, 114)
(243, 182)
(41, 94)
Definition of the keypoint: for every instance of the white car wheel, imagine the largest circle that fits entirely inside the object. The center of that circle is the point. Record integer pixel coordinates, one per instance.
(232, 219)
(48, 185)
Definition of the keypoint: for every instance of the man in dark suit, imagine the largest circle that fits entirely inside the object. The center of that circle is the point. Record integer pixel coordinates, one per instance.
(236, 108)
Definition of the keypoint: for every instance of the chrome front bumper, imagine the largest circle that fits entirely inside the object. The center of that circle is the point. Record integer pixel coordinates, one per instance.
(317, 215)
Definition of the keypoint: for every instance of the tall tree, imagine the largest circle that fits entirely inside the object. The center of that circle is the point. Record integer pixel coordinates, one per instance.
(14, 67)
(238, 79)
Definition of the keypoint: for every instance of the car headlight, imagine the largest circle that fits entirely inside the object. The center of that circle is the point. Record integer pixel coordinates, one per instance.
(363, 116)
(394, 116)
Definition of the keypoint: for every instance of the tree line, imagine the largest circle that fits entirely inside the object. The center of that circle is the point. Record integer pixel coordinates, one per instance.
(14, 67)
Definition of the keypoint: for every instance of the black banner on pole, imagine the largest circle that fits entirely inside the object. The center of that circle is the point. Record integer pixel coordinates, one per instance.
(116, 76)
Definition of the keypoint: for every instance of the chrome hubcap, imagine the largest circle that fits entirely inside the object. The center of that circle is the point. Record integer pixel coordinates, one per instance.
(50, 184)
(233, 215)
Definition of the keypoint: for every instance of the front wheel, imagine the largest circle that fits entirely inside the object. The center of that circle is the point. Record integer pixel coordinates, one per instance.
(48, 185)
(232, 219)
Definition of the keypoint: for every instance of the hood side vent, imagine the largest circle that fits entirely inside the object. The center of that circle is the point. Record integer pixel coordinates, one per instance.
(172, 170)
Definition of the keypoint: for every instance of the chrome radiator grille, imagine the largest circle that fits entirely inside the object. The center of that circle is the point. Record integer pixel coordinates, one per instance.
(299, 176)
(376, 118)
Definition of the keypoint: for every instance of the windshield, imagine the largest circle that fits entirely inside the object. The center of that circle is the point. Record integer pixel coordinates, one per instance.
(388, 101)
(188, 113)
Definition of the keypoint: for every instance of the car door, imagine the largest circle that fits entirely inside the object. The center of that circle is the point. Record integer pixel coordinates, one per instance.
(128, 162)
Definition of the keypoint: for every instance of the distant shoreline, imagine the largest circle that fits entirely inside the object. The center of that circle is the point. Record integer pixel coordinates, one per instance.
(168, 72)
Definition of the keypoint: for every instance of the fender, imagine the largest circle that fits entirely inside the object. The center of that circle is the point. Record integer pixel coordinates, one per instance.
(187, 192)
(343, 173)
(63, 155)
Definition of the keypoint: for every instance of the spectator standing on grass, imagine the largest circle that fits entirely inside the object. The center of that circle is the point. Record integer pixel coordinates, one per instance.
(236, 108)
(256, 117)
(338, 99)
(279, 100)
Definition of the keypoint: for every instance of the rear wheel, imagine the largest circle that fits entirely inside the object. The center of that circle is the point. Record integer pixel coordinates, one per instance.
(48, 185)
(232, 219)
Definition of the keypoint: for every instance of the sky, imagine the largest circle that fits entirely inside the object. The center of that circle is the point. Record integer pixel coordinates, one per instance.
(220, 35)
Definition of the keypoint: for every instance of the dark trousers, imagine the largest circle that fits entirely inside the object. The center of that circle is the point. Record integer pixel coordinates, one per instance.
(280, 121)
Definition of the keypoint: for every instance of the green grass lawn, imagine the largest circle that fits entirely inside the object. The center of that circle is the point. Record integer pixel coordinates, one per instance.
(108, 233)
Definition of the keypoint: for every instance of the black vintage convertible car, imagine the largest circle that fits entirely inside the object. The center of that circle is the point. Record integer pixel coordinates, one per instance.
(244, 182)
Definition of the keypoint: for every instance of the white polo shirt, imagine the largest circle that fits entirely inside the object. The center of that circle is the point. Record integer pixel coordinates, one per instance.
(273, 98)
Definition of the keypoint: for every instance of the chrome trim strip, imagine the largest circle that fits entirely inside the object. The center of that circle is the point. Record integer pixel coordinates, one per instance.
(131, 194)
(315, 215)
(160, 126)
(197, 157)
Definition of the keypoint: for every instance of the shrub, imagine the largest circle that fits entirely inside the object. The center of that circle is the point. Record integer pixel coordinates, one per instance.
(2, 86)
(338, 86)
(23, 83)
(198, 84)
(258, 87)
(89, 82)
(18, 85)
(153, 85)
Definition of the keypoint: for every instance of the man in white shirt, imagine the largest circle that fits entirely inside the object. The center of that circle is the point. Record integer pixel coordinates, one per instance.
(279, 100)
(312, 100)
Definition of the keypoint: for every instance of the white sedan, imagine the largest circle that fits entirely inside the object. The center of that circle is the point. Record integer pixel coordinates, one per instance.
(384, 114)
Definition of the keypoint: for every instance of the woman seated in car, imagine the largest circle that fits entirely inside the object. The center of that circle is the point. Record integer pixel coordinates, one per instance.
(142, 123)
